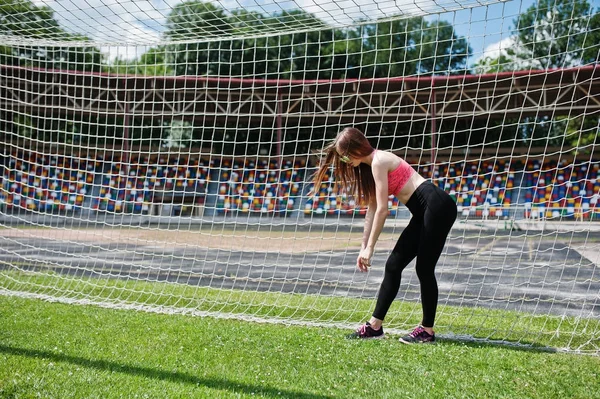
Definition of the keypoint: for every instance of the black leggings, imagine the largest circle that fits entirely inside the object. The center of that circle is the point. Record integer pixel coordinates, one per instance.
(433, 214)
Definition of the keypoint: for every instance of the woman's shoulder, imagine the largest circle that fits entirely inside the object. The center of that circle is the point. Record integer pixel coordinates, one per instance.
(387, 160)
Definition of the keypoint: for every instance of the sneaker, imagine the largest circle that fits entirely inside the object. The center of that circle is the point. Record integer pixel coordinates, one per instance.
(366, 332)
(418, 336)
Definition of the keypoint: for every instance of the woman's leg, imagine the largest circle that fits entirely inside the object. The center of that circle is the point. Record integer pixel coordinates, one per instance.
(403, 253)
(437, 222)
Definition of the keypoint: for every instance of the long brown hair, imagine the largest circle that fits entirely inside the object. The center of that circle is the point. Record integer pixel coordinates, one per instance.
(357, 181)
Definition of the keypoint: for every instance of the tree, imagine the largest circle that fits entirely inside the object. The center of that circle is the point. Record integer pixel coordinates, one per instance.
(412, 46)
(558, 34)
(282, 56)
(192, 25)
(550, 34)
(178, 134)
(151, 63)
(297, 45)
(215, 45)
(266, 56)
(591, 41)
(441, 51)
(307, 54)
(23, 19)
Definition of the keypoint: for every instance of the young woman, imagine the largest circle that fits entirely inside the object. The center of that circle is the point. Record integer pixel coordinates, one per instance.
(371, 176)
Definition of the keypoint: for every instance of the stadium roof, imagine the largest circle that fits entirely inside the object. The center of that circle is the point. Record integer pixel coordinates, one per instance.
(571, 91)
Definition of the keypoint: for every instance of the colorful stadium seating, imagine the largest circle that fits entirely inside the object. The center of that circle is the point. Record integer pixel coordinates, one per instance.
(562, 190)
(131, 187)
(490, 189)
(485, 189)
(259, 186)
(46, 183)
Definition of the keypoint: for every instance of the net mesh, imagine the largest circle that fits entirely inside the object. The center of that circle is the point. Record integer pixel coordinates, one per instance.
(158, 156)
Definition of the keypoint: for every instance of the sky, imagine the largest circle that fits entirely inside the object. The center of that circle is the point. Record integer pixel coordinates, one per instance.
(118, 24)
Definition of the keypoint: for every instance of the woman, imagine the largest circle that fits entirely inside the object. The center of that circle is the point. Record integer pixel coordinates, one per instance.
(371, 176)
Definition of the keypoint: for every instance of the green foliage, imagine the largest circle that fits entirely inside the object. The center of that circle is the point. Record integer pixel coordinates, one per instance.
(22, 18)
(442, 52)
(206, 40)
(413, 46)
(550, 34)
(273, 57)
(582, 134)
(190, 22)
(493, 65)
(591, 40)
(151, 63)
(384, 49)
(178, 134)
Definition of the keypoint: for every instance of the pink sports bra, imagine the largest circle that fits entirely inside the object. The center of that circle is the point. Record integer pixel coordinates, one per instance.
(399, 176)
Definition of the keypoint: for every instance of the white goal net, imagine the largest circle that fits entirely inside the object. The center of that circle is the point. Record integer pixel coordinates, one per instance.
(158, 156)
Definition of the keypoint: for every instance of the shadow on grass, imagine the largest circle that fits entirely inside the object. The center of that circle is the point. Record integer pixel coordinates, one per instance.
(213, 383)
(479, 343)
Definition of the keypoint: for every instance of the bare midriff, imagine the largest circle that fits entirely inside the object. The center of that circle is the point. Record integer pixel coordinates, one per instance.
(409, 187)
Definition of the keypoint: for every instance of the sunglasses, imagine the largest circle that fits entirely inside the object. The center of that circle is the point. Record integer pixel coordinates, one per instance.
(345, 159)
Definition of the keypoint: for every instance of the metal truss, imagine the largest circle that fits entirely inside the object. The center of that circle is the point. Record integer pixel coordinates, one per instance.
(562, 92)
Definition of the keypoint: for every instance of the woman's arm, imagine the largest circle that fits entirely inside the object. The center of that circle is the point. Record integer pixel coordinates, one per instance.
(371, 209)
(378, 222)
(367, 227)
(376, 215)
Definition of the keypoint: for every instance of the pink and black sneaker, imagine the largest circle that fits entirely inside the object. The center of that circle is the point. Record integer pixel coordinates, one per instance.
(418, 336)
(367, 332)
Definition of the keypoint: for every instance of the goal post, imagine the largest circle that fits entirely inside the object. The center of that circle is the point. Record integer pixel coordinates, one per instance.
(162, 160)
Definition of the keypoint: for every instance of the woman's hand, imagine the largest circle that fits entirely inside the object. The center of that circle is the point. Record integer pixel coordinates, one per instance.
(364, 259)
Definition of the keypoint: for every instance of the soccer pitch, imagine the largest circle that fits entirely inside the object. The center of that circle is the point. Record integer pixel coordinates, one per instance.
(502, 281)
(54, 350)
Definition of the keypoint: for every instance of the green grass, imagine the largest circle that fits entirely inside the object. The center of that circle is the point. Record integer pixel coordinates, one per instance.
(53, 350)
(541, 331)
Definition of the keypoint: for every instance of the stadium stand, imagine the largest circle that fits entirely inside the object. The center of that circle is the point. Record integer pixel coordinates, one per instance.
(135, 187)
(561, 189)
(493, 188)
(46, 183)
(259, 186)
(481, 189)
